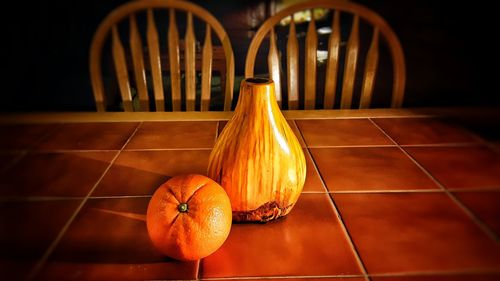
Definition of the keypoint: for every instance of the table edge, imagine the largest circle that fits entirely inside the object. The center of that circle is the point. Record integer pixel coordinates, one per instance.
(77, 117)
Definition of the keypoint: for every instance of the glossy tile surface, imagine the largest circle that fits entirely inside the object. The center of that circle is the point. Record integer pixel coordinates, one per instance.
(485, 205)
(101, 136)
(15, 270)
(424, 131)
(297, 133)
(310, 240)
(313, 180)
(142, 172)
(106, 242)
(55, 174)
(496, 144)
(403, 226)
(460, 167)
(369, 168)
(443, 277)
(339, 132)
(27, 230)
(297, 279)
(23, 136)
(188, 134)
(7, 159)
(415, 232)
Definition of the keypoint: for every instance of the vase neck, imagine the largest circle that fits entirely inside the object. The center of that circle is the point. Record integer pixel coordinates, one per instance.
(257, 94)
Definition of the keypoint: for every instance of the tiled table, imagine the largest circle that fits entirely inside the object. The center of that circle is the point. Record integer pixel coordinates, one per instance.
(388, 196)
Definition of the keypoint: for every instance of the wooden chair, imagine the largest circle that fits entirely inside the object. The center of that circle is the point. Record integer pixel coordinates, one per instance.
(352, 52)
(128, 11)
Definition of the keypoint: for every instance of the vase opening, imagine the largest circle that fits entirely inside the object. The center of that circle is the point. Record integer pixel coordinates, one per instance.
(258, 80)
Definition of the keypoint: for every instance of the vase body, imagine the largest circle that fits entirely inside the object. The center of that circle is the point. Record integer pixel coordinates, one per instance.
(257, 158)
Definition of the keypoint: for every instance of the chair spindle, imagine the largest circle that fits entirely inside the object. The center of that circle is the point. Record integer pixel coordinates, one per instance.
(206, 70)
(332, 63)
(121, 70)
(350, 65)
(310, 61)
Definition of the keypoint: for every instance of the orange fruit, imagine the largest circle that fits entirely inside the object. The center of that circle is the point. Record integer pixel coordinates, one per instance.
(189, 217)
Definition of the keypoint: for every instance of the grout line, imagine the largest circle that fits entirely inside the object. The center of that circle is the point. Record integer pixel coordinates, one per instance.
(426, 116)
(486, 143)
(485, 228)
(395, 274)
(351, 146)
(41, 262)
(481, 140)
(44, 137)
(449, 144)
(217, 131)
(13, 150)
(198, 277)
(38, 198)
(284, 277)
(307, 118)
(339, 217)
(115, 150)
(475, 189)
(493, 146)
(167, 149)
(57, 198)
(387, 191)
(72, 150)
(29, 149)
(458, 144)
(439, 273)
(300, 135)
(120, 197)
(14, 161)
(375, 191)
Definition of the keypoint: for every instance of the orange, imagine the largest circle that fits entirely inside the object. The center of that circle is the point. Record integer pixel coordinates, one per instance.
(189, 217)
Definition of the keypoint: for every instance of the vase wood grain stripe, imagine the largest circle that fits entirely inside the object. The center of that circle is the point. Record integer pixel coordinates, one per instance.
(257, 158)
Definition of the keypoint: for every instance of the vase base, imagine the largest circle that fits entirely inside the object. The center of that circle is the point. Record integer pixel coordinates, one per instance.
(267, 212)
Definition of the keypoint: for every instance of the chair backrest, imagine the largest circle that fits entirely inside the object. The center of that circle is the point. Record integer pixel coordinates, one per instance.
(358, 12)
(128, 11)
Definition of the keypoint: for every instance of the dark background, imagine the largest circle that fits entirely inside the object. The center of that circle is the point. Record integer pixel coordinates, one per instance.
(450, 55)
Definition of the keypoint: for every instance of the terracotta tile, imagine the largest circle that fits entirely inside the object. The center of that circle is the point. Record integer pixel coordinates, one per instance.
(496, 145)
(221, 126)
(424, 131)
(28, 228)
(297, 133)
(195, 134)
(15, 270)
(55, 174)
(104, 136)
(294, 127)
(142, 172)
(7, 159)
(430, 277)
(101, 244)
(485, 205)
(460, 167)
(309, 241)
(369, 168)
(297, 279)
(335, 132)
(415, 232)
(313, 181)
(23, 136)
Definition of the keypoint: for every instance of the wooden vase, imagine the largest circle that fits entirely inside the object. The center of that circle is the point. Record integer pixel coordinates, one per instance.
(257, 158)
